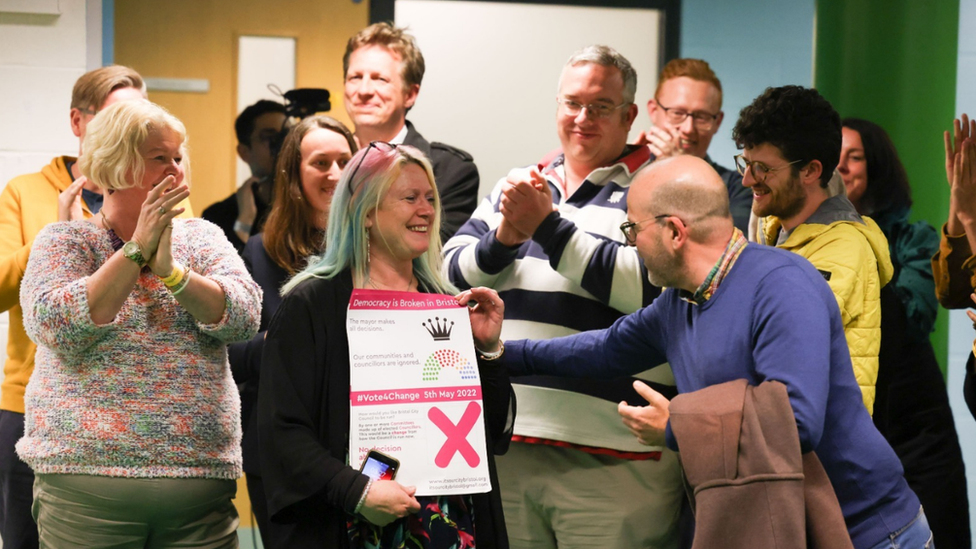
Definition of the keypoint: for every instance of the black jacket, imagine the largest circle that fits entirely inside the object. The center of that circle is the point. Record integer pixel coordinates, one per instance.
(245, 356)
(303, 422)
(456, 177)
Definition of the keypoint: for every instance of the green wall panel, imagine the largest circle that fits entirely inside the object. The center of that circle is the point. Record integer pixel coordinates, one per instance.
(894, 62)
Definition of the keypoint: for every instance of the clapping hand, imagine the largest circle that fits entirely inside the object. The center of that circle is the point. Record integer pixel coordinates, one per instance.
(526, 200)
(69, 201)
(961, 129)
(664, 142)
(154, 226)
(963, 182)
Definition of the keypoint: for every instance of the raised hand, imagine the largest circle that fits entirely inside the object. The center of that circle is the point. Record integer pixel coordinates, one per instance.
(158, 211)
(961, 129)
(963, 183)
(526, 200)
(647, 423)
(388, 500)
(664, 142)
(69, 201)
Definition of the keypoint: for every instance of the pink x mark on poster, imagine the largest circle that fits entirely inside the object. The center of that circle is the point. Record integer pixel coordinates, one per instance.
(415, 392)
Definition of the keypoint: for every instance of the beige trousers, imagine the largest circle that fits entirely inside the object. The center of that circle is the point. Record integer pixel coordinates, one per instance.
(81, 511)
(560, 497)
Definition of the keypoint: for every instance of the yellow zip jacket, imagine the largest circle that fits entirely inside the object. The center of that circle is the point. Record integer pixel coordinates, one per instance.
(854, 259)
(27, 204)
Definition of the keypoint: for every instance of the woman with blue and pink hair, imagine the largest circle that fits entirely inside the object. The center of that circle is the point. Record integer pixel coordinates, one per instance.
(383, 234)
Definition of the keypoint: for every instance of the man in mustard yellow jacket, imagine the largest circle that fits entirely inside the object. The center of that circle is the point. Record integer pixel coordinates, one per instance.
(28, 203)
(791, 140)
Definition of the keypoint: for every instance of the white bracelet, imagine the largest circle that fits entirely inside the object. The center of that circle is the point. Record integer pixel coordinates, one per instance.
(183, 284)
(362, 498)
(492, 356)
(240, 227)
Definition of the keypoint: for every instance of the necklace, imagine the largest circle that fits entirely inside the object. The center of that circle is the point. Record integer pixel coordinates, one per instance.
(372, 283)
(112, 235)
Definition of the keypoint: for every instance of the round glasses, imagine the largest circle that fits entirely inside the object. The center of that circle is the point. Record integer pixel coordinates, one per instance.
(760, 171)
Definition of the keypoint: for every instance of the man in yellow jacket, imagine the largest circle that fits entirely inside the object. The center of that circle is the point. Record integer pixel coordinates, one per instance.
(28, 203)
(791, 140)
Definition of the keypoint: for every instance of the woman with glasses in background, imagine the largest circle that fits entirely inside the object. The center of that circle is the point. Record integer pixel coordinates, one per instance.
(308, 169)
(383, 233)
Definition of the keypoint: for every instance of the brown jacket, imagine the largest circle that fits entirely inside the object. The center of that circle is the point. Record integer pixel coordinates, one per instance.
(751, 487)
(954, 270)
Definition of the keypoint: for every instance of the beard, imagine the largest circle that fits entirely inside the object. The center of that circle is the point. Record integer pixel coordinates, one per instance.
(662, 269)
(784, 202)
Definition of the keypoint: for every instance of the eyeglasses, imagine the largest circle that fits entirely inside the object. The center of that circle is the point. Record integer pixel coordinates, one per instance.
(759, 170)
(595, 110)
(631, 228)
(702, 120)
(372, 145)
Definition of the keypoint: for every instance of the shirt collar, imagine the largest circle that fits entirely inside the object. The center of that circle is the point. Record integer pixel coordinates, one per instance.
(736, 244)
(633, 158)
(399, 137)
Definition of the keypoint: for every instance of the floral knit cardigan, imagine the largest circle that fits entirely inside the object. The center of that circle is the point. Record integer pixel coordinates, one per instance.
(149, 394)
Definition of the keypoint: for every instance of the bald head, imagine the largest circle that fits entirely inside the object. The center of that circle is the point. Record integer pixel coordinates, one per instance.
(685, 186)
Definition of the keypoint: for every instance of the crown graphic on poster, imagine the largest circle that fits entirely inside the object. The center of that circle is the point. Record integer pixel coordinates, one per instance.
(438, 328)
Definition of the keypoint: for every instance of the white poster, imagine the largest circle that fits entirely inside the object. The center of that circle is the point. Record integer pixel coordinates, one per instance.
(415, 391)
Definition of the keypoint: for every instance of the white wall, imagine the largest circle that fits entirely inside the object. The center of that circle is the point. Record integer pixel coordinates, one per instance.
(41, 56)
(493, 69)
(750, 44)
(262, 61)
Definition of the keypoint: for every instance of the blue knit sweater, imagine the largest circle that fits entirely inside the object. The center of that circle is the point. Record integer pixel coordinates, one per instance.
(772, 318)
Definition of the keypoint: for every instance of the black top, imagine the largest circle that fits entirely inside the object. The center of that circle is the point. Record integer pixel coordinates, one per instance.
(224, 213)
(245, 356)
(456, 177)
(303, 422)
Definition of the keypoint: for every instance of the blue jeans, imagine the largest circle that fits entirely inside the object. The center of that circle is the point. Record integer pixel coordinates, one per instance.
(914, 535)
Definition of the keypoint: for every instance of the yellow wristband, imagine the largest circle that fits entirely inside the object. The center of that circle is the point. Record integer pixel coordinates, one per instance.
(181, 285)
(174, 277)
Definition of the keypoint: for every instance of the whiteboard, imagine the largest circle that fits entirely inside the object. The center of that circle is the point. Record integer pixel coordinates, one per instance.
(493, 69)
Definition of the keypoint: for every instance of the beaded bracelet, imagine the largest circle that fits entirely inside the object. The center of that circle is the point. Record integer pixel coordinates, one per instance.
(175, 277)
(492, 356)
(180, 286)
(362, 498)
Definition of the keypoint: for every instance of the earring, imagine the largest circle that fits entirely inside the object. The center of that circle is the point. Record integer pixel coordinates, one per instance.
(367, 247)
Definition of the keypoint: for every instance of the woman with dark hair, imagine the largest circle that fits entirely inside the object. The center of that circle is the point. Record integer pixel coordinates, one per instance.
(383, 234)
(308, 169)
(912, 407)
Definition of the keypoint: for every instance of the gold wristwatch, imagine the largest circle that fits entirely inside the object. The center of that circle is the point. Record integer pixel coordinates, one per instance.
(132, 251)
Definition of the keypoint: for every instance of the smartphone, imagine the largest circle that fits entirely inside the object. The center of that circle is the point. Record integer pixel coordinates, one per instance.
(379, 466)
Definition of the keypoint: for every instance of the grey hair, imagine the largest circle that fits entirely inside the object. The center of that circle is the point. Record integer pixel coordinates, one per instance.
(608, 57)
